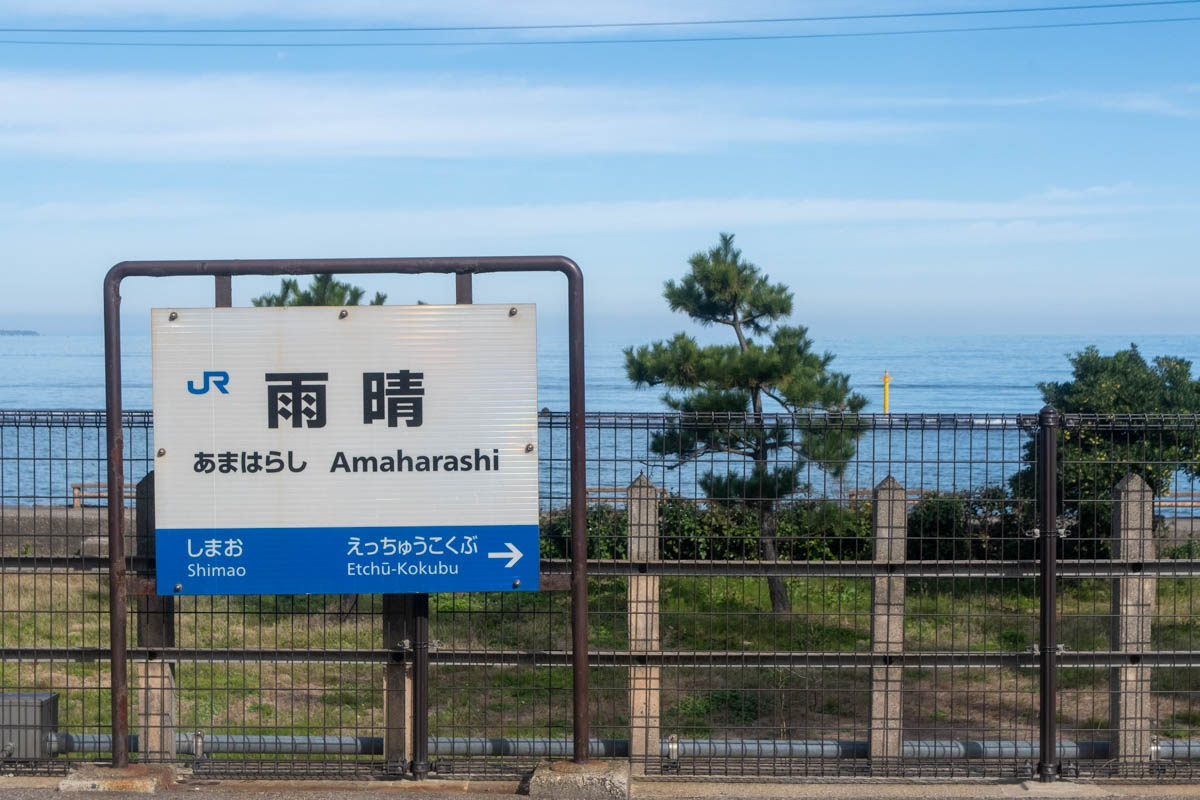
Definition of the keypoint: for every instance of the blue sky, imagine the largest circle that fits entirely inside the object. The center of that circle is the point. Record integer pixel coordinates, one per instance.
(1020, 181)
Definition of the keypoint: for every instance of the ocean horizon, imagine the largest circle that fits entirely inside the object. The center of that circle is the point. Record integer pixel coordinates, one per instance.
(931, 373)
(978, 374)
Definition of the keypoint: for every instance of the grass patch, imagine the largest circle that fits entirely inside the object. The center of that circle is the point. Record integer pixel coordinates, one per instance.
(352, 698)
(717, 613)
(1082, 678)
(723, 706)
(1181, 725)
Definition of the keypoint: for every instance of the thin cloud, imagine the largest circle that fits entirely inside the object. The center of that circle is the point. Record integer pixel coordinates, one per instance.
(1178, 101)
(1008, 232)
(595, 217)
(229, 117)
(463, 12)
(1084, 194)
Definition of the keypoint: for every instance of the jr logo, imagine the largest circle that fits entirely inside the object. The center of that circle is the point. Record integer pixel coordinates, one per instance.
(218, 380)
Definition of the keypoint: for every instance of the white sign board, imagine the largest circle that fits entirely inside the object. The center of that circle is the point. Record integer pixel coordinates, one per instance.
(345, 450)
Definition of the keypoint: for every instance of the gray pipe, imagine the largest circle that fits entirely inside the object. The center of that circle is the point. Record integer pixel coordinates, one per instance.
(762, 748)
(62, 743)
(446, 746)
(916, 749)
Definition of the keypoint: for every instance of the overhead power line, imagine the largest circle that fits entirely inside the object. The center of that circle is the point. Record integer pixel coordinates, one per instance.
(561, 42)
(602, 25)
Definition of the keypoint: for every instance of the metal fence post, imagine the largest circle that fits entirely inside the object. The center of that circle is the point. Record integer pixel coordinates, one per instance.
(418, 614)
(890, 525)
(157, 707)
(397, 683)
(1047, 472)
(223, 296)
(419, 740)
(581, 711)
(115, 445)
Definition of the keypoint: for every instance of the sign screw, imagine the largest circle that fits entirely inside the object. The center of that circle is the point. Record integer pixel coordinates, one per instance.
(162, 451)
(517, 583)
(529, 448)
(179, 587)
(172, 316)
(343, 314)
(512, 312)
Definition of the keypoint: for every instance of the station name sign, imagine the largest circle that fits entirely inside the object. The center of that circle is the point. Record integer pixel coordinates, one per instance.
(345, 450)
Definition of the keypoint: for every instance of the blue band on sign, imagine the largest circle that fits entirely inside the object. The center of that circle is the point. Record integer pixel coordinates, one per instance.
(357, 560)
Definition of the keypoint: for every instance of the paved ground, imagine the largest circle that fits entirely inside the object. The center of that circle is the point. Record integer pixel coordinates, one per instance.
(19, 788)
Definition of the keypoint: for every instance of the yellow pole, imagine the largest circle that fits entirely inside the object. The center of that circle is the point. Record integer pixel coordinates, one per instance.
(887, 388)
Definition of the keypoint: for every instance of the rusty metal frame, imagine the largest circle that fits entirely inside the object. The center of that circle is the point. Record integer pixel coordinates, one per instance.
(223, 271)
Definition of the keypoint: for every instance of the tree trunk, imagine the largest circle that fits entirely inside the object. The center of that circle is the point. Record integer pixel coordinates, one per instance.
(781, 601)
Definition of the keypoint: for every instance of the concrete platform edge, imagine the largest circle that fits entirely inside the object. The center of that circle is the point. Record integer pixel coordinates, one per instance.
(141, 779)
(566, 780)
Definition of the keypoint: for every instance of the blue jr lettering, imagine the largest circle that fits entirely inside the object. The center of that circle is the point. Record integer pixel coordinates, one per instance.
(217, 379)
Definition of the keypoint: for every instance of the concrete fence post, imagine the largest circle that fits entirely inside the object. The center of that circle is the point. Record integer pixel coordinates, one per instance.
(890, 525)
(1132, 614)
(644, 680)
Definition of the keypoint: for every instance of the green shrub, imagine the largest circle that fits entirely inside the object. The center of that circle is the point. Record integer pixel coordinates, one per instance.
(806, 530)
(970, 525)
(606, 532)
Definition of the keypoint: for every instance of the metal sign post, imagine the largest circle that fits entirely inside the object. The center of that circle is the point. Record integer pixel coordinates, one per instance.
(223, 271)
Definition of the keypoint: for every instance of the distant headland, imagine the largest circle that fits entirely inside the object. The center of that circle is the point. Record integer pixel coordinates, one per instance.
(4, 332)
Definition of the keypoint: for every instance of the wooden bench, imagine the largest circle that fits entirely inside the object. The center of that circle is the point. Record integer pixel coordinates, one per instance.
(96, 491)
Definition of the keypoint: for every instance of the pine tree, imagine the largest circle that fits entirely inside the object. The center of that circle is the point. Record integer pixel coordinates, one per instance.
(322, 290)
(723, 391)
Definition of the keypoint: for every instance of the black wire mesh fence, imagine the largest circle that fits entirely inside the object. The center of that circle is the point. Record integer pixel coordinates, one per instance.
(769, 596)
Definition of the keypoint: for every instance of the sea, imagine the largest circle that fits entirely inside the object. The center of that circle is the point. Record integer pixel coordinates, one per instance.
(948, 373)
(982, 376)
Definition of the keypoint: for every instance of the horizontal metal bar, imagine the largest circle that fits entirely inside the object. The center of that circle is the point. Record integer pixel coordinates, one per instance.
(1132, 422)
(625, 419)
(11, 564)
(1092, 568)
(625, 658)
(801, 569)
(1099, 568)
(89, 418)
(555, 572)
(548, 658)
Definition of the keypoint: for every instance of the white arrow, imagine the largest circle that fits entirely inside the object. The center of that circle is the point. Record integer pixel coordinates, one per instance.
(513, 555)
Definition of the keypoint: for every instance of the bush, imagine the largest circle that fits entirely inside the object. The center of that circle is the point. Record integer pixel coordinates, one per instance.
(821, 530)
(979, 524)
(970, 525)
(606, 532)
(806, 531)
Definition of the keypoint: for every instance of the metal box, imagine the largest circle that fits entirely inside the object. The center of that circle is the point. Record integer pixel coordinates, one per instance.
(26, 719)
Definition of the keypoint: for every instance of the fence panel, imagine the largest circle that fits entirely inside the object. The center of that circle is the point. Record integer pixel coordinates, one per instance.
(54, 632)
(857, 598)
(778, 596)
(1130, 671)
